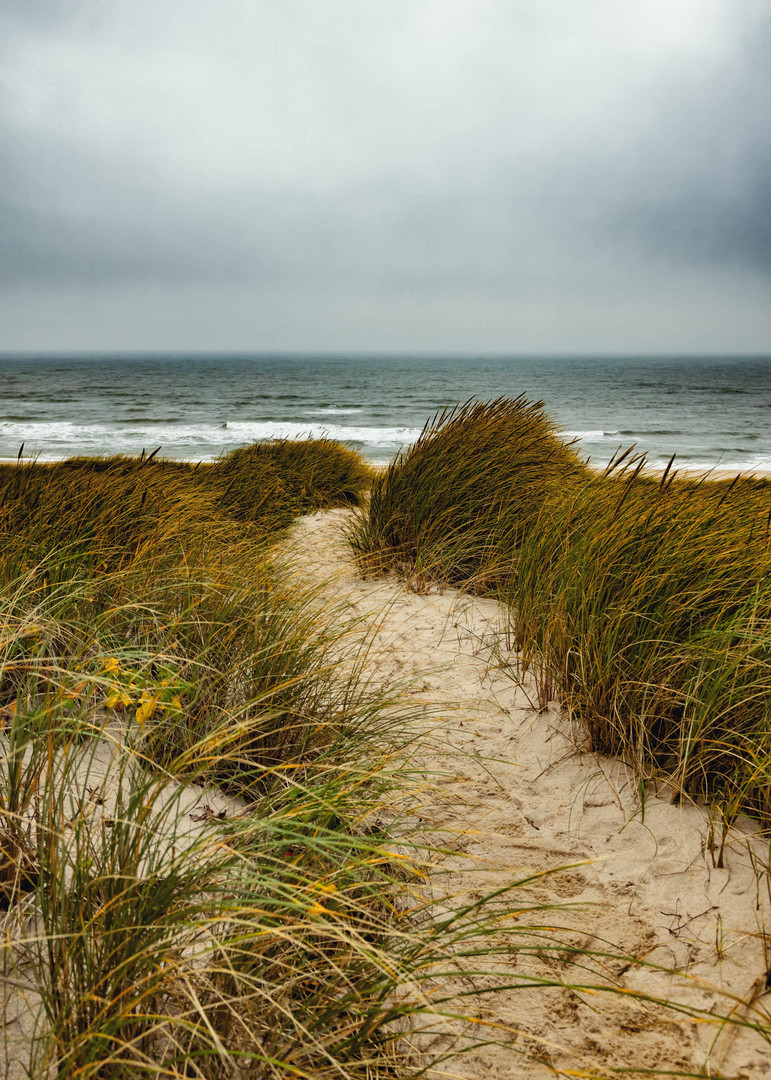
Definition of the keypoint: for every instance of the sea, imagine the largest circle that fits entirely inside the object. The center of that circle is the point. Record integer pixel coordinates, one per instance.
(709, 411)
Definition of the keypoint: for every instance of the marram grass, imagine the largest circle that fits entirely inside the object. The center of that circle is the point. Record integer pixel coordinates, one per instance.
(100, 513)
(644, 605)
(455, 506)
(641, 602)
(293, 476)
(187, 883)
(195, 879)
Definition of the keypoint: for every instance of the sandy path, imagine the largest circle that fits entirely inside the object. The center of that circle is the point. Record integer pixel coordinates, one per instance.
(519, 798)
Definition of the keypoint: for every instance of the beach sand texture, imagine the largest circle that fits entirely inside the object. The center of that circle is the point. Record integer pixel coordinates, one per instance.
(510, 792)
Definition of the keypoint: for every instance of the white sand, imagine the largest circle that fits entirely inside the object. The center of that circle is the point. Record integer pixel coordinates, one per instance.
(518, 797)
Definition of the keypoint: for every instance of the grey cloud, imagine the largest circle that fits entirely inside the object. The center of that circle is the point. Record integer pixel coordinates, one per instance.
(434, 153)
(705, 195)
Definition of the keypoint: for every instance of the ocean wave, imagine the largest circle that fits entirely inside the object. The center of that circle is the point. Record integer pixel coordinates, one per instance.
(336, 410)
(760, 463)
(50, 429)
(207, 440)
(637, 433)
(372, 436)
(147, 421)
(67, 436)
(720, 389)
(594, 435)
(712, 435)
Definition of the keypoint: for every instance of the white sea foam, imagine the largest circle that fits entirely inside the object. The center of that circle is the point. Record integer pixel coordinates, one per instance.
(247, 431)
(66, 437)
(107, 436)
(337, 410)
(758, 463)
(594, 435)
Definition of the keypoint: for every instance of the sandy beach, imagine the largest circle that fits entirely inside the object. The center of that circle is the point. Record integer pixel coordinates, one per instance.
(511, 787)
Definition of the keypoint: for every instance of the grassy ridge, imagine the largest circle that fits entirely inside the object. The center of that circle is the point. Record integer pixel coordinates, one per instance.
(289, 477)
(103, 512)
(642, 602)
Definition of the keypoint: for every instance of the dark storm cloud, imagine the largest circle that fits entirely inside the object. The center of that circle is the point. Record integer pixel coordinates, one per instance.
(497, 166)
(706, 224)
(709, 199)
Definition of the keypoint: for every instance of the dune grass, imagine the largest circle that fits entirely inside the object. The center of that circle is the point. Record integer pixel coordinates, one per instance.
(292, 476)
(644, 606)
(455, 506)
(161, 927)
(187, 882)
(208, 867)
(107, 510)
(641, 602)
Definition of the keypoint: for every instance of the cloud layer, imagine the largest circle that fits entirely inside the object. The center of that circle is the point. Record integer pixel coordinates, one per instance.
(383, 174)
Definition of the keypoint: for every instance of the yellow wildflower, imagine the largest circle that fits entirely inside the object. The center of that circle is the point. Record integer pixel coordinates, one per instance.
(325, 887)
(146, 707)
(118, 699)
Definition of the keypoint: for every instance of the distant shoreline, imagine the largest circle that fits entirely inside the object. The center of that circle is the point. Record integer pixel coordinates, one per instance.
(716, 472)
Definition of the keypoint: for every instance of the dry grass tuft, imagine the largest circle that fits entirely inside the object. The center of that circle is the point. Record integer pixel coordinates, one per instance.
(455, 506)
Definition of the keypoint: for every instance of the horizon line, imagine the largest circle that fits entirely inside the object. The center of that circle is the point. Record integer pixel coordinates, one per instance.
(599, 354)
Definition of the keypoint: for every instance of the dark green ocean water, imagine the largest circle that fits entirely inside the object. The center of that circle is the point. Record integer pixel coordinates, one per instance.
(709, 410)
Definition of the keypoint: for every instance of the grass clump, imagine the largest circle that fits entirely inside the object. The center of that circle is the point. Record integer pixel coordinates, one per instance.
(641, 601)
(161, 927)
(188, 758)
(455, 506)
(101, 513)
(643, 605)
(290, 475)
(83, 517)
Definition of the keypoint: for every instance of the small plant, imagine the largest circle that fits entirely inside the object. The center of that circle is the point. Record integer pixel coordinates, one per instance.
(144, 693)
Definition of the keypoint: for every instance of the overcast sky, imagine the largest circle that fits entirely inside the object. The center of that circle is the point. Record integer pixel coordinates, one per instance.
(444, 175)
